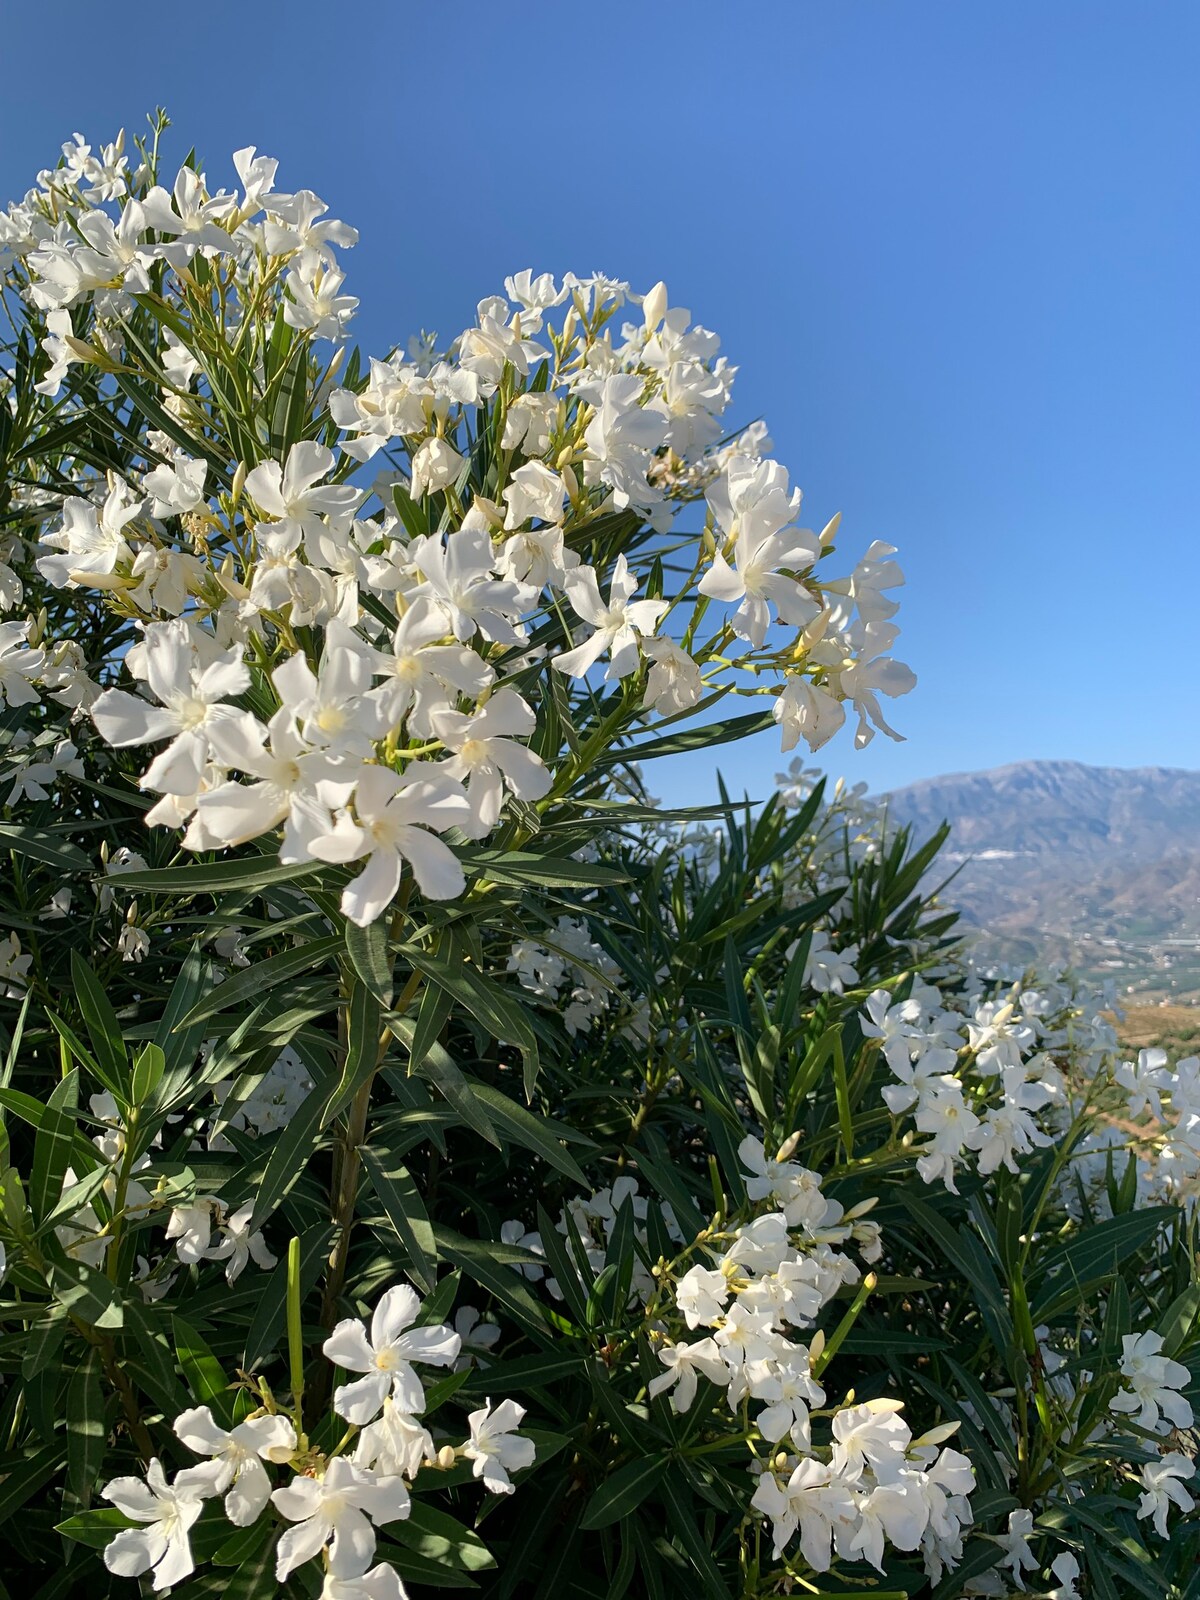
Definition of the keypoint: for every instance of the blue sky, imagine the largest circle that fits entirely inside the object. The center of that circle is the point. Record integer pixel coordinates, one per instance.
(952, 248)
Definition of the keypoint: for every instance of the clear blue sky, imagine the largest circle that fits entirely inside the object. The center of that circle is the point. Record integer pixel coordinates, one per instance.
(952, 247)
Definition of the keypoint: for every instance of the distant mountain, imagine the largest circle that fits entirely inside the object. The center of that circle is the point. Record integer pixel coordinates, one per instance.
(1058, 862)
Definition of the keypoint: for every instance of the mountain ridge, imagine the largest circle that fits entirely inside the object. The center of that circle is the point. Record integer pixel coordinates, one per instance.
(1063, 863)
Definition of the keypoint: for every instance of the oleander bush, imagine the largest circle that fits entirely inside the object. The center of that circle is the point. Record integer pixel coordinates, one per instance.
(427, 1163)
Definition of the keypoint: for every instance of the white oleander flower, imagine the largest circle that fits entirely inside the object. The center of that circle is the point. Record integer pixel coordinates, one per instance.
(240, 1245)
(1152, 1382)
(486, 758)
(1066, 1569)
(1146, 1081)
(239, 1453)
(395, 1445)
(387, 1355)
(1162, 1486)
(685, 1363)
(93, 541)
(812, 1501)
(191, 713)
(675, 682)
(752, 504)
(701, 1294)
(494, 1448)
(20, 665)
(616, 625)
(394, 822)
(177, 486)
(1018, 1557)
(293, 497)
(872, 1435)
(167, 1512)
(830, 971)
(338, 1510)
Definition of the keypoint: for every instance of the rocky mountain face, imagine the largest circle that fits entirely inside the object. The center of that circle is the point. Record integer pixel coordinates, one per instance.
(1057, 862)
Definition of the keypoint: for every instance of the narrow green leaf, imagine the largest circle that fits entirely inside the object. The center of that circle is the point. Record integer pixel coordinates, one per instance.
(439, 1070)
(478, 1260)
(85, 1293)
(486, 1000)
(693, 1541)
(253, 981)
(103, 1028)
(624, 1491)
(1179, 1319)
(203, 1373)
(370, 957)
(180, 1044)
(434, 1008)
(87, 1430)
(94, 1528)
(52, 1148)
(439, 1537)
(397, 1194)
(246, 874)
(291, 1153)
(542, 1135)
(148, 1068)
(21, 1485)
(525, 1373)
(42, 1342)
(701, 738)
(48, 848)
(364, 1024)
(521, 868)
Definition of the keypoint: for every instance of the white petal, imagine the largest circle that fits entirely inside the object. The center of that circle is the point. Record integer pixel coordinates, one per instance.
(248, 1498)
(235, 812)
(367, 897)
(360, 1402)
(124, 719)
(397, 1309)
(198, 1430)
(132, 1552)
(436, 868)
(299, 1544)
(347, 1346)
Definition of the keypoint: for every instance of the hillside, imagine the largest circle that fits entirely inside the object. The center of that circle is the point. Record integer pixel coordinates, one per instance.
(1061, 862)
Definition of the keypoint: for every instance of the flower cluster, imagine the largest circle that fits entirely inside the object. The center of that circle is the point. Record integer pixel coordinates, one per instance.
(978, 1074)
(756, 1283)
(362, 664)
(332, 1504)
(123, 1186)
(576, 975)
(1164, 1106)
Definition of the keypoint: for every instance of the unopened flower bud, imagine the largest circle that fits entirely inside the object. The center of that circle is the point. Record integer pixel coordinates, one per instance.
(85, 351)
(654, 306)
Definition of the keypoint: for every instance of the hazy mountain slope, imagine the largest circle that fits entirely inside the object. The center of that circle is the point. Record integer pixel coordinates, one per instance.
(1098, 866)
